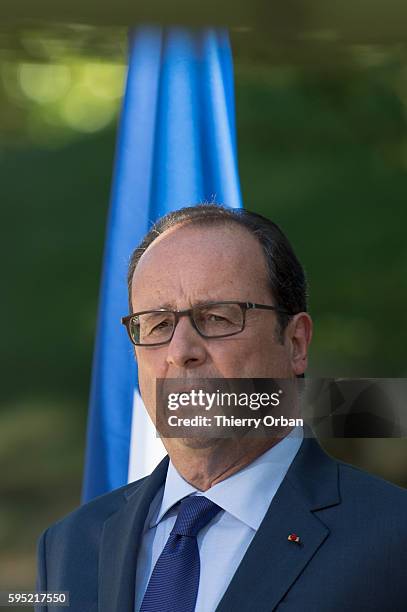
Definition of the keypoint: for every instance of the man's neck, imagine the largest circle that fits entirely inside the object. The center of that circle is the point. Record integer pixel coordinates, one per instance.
(204, 467)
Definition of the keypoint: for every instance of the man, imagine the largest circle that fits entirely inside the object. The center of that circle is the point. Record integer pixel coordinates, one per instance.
(229, 523)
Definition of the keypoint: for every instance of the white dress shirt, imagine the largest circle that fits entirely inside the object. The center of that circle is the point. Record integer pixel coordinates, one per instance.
(244, 498)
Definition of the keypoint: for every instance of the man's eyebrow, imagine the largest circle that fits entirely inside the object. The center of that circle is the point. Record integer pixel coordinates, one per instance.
(172, 305)
(165, 306)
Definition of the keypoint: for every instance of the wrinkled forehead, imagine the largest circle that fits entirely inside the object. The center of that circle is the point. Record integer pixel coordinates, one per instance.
(199, 262)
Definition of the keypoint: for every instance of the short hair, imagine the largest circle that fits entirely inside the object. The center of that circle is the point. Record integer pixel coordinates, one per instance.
(286, 276)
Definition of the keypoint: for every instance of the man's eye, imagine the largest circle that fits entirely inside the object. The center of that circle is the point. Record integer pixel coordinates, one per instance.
(155, 327)
(215, 317)
(159, 326)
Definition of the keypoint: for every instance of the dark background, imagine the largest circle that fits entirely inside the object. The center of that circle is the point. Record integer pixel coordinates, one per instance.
(322, 140)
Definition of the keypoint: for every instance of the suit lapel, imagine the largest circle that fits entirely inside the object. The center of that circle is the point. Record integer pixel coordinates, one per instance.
(120, 542)
(272, 563)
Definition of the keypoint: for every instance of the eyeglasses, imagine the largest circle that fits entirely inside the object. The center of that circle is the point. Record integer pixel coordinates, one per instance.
(211, 320)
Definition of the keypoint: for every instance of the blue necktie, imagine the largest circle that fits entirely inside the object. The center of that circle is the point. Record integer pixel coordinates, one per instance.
(174, 582)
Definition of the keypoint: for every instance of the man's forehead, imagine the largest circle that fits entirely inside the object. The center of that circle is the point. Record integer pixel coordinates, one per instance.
(181, 243)
(200, 263)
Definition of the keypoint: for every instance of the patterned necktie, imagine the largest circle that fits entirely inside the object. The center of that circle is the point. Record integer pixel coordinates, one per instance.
(174, 582)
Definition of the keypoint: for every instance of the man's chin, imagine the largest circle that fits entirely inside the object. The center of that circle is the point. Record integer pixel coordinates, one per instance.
(197, 442)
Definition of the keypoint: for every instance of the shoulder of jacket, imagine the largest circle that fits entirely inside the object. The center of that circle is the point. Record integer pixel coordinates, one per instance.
(96, 510)
(363, 481)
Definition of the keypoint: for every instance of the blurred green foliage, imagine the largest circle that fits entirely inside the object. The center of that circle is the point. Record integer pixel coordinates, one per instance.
(324, 155)
(322, 139)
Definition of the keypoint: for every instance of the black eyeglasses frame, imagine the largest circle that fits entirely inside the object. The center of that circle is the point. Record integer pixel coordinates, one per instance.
(245, 306)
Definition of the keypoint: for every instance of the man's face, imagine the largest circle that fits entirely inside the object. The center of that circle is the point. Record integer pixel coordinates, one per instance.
(190, 265)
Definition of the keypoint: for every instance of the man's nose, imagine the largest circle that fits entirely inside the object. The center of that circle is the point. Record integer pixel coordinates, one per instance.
(187, 348)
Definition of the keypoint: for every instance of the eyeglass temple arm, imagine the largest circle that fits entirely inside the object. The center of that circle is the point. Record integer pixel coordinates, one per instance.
(252, 305)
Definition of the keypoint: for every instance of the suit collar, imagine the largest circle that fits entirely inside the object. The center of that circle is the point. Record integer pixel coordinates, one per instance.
(120, 542)
(314, 475)
(272, 563)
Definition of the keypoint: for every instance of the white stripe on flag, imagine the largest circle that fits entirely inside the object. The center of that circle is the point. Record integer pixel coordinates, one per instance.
(146, 450)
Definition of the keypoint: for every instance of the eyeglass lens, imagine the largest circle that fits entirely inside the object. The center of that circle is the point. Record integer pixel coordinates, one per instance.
(211, 321)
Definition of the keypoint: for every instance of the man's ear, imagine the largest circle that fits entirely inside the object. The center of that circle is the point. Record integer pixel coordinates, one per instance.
(299, 334)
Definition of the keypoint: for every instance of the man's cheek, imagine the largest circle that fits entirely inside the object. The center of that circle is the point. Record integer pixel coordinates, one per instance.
(146, 378)
(230, 363)
(246, 361)
(147, 390)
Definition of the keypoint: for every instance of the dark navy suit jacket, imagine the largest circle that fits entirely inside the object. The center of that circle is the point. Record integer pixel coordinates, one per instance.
(352, 554)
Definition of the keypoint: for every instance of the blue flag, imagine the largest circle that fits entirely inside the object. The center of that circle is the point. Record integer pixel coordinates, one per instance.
(176, 147)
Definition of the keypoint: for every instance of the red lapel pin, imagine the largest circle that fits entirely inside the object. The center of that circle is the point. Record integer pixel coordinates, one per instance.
(294, 538)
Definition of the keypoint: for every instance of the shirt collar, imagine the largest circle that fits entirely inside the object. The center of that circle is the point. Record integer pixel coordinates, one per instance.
(246, 494)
